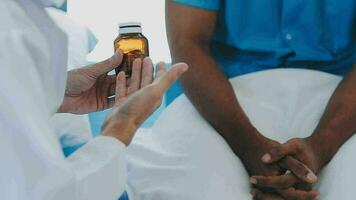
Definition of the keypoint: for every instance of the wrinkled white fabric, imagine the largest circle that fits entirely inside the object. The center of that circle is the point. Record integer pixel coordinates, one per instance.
(47, 3)
(33, 62)
(184, 158)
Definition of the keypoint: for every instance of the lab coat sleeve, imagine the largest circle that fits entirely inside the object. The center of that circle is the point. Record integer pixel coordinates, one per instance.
(32, 164)
(33, 168)
(100, 168)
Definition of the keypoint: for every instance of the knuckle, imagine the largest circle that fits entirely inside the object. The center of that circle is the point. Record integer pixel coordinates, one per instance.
(275, 152)
(299, 146)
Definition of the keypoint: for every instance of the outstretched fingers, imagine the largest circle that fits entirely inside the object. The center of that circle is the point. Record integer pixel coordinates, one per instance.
(147, 72)
(165, 79)
(121, 89)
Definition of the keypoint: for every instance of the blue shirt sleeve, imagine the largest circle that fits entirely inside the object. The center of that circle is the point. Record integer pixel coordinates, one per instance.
(203, 4)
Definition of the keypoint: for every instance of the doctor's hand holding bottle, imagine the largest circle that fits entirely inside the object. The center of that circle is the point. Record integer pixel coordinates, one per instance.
(90, 89)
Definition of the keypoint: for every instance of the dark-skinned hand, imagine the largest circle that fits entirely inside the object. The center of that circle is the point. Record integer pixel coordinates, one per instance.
(289, 186)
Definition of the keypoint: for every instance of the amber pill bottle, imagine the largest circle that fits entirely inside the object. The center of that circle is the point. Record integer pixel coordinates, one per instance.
(133, 44)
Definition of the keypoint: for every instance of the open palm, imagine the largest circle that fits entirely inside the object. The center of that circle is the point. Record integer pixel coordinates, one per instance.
(132, 108)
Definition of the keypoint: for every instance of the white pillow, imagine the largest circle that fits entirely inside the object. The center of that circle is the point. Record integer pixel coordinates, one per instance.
(73, 129)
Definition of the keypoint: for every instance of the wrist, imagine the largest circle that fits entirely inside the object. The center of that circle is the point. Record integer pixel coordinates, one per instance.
(323, 147)
(68, 106)
(120, 126)
(62, 109)
(250, 143)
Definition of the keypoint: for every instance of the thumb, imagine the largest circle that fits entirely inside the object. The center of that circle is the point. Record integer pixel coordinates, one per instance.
(168, 78)
(279, 152)
(107, 65)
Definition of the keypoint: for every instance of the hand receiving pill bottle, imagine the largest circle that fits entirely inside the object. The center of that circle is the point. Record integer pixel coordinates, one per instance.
(133, 44)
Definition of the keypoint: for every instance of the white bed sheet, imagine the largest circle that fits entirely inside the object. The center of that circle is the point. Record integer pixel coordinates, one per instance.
(182, 157)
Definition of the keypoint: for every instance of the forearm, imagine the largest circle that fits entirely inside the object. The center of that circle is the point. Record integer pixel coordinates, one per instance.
(338, 122)
(212, 94)
(190, 31)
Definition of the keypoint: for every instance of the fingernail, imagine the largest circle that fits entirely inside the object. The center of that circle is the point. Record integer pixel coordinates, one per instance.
(138, 61)
(253, 180)
(266, 157)
(311, 177)
(122, 74)
(185, 68)
(148, 59)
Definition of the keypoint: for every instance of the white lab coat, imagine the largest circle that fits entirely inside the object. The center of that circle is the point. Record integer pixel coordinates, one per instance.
(33, 74)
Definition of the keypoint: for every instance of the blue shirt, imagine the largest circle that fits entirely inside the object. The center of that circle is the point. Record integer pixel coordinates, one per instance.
(253, 35)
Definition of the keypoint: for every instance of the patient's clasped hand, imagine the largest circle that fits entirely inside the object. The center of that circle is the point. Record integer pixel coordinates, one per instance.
(305, 157)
